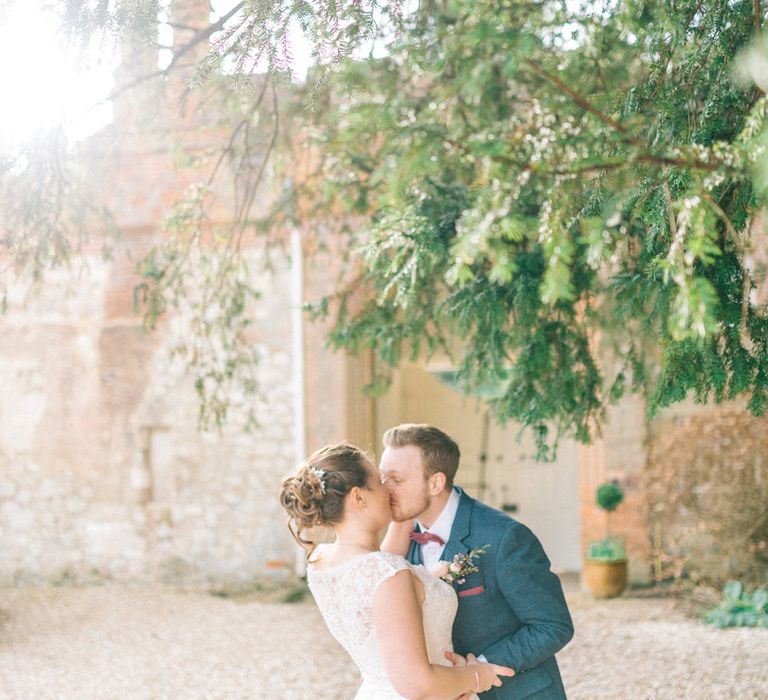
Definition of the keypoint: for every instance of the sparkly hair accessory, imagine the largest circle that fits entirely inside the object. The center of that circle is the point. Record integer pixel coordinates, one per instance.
(319, 473)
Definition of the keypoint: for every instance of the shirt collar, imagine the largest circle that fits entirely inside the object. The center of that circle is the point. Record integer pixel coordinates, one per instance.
(442, 526)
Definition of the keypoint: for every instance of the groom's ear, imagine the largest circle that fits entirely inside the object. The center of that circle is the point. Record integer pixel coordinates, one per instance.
(437, 483)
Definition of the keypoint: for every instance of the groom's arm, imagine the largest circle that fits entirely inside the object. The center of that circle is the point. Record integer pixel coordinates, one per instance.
(536, 597)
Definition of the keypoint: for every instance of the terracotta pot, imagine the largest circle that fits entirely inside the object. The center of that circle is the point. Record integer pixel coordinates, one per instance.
(605, 579)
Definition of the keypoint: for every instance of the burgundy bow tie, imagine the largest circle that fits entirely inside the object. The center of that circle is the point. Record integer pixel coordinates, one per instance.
(424, 537)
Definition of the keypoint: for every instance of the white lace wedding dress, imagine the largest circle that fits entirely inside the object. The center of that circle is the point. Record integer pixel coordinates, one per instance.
(344, 595)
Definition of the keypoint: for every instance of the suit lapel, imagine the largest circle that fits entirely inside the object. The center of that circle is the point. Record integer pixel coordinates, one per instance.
(460, 530)
(414, 553)
(414, 550)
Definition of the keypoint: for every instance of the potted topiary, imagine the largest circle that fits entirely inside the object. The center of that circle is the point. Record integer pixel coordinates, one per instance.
(605, 566)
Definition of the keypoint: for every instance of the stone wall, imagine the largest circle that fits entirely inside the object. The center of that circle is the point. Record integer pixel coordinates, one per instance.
(103, 473)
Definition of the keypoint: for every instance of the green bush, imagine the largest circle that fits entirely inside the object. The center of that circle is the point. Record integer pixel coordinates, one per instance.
(609, 495)
(609, 549)
(739, 608)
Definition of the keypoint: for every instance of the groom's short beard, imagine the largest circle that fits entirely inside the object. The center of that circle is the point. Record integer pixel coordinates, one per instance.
(413, 512)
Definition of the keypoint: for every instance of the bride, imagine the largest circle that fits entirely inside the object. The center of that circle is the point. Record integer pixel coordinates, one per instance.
(393, 618)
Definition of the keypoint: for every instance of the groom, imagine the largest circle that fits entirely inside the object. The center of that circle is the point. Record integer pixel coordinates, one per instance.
(512, 610)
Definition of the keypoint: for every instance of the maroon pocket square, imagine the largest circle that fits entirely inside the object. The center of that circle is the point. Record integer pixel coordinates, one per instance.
(471, 591)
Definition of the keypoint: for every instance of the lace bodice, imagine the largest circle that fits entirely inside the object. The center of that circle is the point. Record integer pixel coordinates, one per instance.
(344, 595)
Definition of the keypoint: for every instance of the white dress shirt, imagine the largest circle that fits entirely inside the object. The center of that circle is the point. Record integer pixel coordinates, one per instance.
(431, 551)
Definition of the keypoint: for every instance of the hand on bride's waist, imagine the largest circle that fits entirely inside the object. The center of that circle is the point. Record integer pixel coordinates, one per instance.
(487, 676)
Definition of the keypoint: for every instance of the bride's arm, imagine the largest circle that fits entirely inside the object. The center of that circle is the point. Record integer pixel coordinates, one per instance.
(396, 538)
(397, 620)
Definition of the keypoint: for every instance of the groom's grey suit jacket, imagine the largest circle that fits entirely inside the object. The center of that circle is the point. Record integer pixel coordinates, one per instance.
(512, 610)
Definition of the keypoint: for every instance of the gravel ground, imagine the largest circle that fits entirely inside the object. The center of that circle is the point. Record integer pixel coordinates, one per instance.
(128, 642)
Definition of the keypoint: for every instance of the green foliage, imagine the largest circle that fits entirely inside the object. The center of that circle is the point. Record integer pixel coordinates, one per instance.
(609, 549)
(533, 179)
(297, 595)
(210, 288)
(609, 495)
(739, 608)
(203, 277)
(48, 214)
(530, 188)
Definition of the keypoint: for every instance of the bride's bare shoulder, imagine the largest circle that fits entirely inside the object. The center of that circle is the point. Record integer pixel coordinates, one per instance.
(328, 556)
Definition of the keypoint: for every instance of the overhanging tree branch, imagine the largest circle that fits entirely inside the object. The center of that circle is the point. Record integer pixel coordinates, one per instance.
(199, 37)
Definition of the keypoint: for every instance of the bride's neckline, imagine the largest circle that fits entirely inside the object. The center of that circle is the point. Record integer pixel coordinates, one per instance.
(315, 570)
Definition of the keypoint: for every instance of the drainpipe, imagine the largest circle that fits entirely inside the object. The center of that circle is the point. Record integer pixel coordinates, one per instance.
(297, 364)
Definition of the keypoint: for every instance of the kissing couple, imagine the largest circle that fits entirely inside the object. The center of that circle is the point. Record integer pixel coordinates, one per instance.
(458, 599)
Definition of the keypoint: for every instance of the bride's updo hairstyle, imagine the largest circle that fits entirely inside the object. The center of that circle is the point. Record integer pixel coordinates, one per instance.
(314, 495)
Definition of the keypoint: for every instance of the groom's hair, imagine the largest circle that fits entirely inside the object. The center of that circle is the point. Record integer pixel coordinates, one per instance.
(440, 452)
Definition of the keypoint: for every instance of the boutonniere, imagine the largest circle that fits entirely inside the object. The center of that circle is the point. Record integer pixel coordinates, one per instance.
(456, 571)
